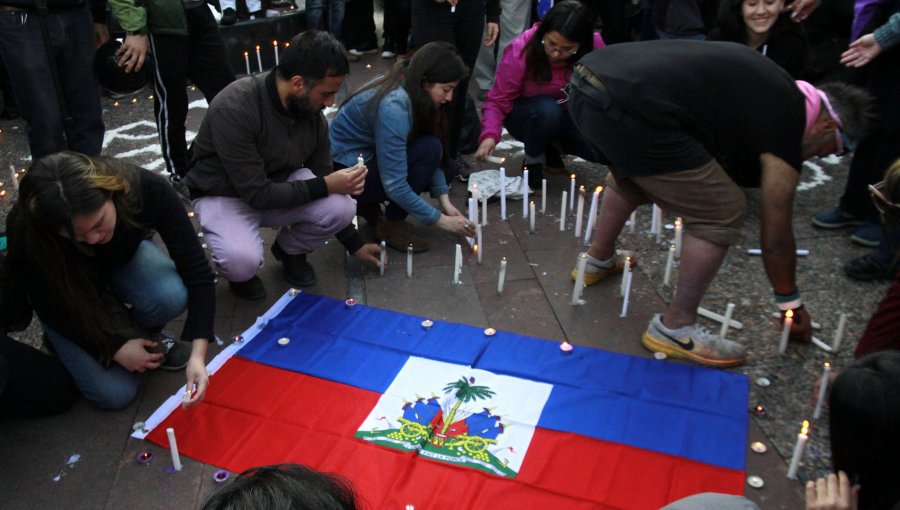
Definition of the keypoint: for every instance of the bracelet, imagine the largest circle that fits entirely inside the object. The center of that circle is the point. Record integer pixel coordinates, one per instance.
(789, 302)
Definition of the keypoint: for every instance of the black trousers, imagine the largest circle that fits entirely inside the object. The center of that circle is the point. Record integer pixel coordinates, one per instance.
(464, 28)
(199, 57)
(397, 21)
(31, 382)
(359, 24)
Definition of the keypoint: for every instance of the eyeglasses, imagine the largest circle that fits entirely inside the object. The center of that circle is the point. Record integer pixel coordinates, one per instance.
(554, 48)
(844, 145)
(888, 209)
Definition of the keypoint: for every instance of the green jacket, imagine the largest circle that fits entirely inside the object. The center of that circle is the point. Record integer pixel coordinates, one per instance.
(150, 16)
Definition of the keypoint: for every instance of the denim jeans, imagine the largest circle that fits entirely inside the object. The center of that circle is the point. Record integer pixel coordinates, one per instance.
(540, 121)
(26, 60)
(151, 284)
(315, 10)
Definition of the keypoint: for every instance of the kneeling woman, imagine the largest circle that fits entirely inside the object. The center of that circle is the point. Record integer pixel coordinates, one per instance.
(528, 96)
(81, 255)
(398, 124)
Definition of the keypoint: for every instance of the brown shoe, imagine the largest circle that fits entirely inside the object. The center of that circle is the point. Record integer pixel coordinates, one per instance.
(398, 235)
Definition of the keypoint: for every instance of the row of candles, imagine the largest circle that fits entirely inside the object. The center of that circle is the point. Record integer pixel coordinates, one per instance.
(259, 56)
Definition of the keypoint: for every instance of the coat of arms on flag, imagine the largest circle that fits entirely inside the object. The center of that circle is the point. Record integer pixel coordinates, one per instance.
(479, 420)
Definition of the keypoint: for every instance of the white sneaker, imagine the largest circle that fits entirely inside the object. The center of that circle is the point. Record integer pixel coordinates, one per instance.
(388, 54)
(693, 343)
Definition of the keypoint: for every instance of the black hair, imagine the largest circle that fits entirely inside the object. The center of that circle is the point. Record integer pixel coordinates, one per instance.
(284, 487)
(853, 105)
(864, 421)
(574, 21)
(313, 55)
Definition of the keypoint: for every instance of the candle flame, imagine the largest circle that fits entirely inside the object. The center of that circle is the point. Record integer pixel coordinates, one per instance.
(672, 247)
(789, 314)
(573, 177)
(287, 44)
(3, 193)
(581, 189)
(246, 54)
(599, 189)
(805, 428)
(275, 43)
(257, 47)
(677, 222)
(475, 249)
(504, 259)
(827, 364)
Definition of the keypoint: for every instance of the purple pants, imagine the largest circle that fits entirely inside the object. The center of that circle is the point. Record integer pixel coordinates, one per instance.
(231, 228)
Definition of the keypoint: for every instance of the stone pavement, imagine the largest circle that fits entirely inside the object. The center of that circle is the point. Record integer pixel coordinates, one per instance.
(85, 457)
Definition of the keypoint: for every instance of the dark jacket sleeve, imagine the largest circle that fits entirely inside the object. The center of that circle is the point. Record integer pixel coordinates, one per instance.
(492, 11)
(15, 311)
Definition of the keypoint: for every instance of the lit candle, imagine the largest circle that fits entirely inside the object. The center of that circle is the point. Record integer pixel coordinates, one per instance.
(14, 176)
(477, 253)
(839, 333)
(258, 58)
(654, 220)
(383, 258)
(247, 61)
(531, 216)
(823, 386)
(360, 161)
(495, 159)
(579, 212)
(729, 311)
(473, 217)
(457, 264)
(786, 331)
(502, 280)
(562, 212)
(453, 9)
(572, 193)
(484, 210)
(628, 275)
(544, 196)
(478, 243)
(678, 237)
(632, 221)
(475, 201)
(173, 448)
(275, 47)
(579, 278)
(409, 252)
(624, 275)
(591, 215)
(670, 260)
(525, 194)
(502, 193)
(802, 438)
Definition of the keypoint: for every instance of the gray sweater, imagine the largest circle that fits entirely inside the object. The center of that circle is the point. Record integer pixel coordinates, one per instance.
(888, 35)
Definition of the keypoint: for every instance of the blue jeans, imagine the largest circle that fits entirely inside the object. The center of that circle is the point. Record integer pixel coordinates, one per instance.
(72, 49)
(314, 13)
(150, 283)
(538, 122)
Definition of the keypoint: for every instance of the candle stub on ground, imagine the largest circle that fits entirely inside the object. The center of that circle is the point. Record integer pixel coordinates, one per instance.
(220, 476)
(144, 457)
(566, 348)
(293, 292)
(284, 341)
(763, 382)
(758, 447)
(238, 339)
(427, 324)
(350, 302)
(659, 355)
(755, 481)
(760, 410)
(138, 427)
(490, 332)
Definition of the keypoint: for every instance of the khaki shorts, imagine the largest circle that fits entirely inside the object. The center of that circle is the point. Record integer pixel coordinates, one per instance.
(710, 204)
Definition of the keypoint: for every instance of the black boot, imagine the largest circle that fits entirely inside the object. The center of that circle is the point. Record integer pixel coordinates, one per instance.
(297, 271)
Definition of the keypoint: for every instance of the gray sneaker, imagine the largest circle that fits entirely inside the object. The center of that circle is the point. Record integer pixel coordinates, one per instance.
(177, 353)
(694, 343)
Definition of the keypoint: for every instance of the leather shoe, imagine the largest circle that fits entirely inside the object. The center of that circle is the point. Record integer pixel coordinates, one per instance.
(398, 235)
(252, 290)
(296, 270)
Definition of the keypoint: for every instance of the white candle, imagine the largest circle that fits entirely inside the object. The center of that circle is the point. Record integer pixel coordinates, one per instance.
(591, 215)
(678, 237)
(659, 228)
(382, 259)
(579, 212)
(729, 311)
(525, 194)
(247, 61)
(258, 58)
(572, 194)
(484, 210)
(823, 386)
(786, 331)
(802, 438)
(360, 161)
(409, 252)
(495, 159)
(531, 217)
(275, 46)
(478, 243)
(475, 202)
(839, 333)
(654, 220)
(452, 9)
(632, 221)
(14, 176)
(628, 276)
(670, 260)
(562, 212)
(579, 278)
(544, 196)
(472, 217)
(457, 264)
(173, 448)
(502, 280)
(758, 251)
(502, 193)
(625, 276)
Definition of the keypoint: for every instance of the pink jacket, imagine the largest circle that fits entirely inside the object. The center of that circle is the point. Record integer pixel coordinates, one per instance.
(510, 84)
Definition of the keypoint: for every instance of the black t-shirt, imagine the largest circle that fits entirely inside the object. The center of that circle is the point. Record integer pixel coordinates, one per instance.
(735, 102)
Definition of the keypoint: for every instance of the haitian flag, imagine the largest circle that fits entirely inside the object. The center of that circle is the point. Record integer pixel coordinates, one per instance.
(451, 416)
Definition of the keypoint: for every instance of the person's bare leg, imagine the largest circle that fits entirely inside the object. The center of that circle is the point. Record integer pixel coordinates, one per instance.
(700, 261)
(614, 212)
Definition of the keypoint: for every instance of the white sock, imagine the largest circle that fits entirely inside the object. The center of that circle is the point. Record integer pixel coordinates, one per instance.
(600, 264)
